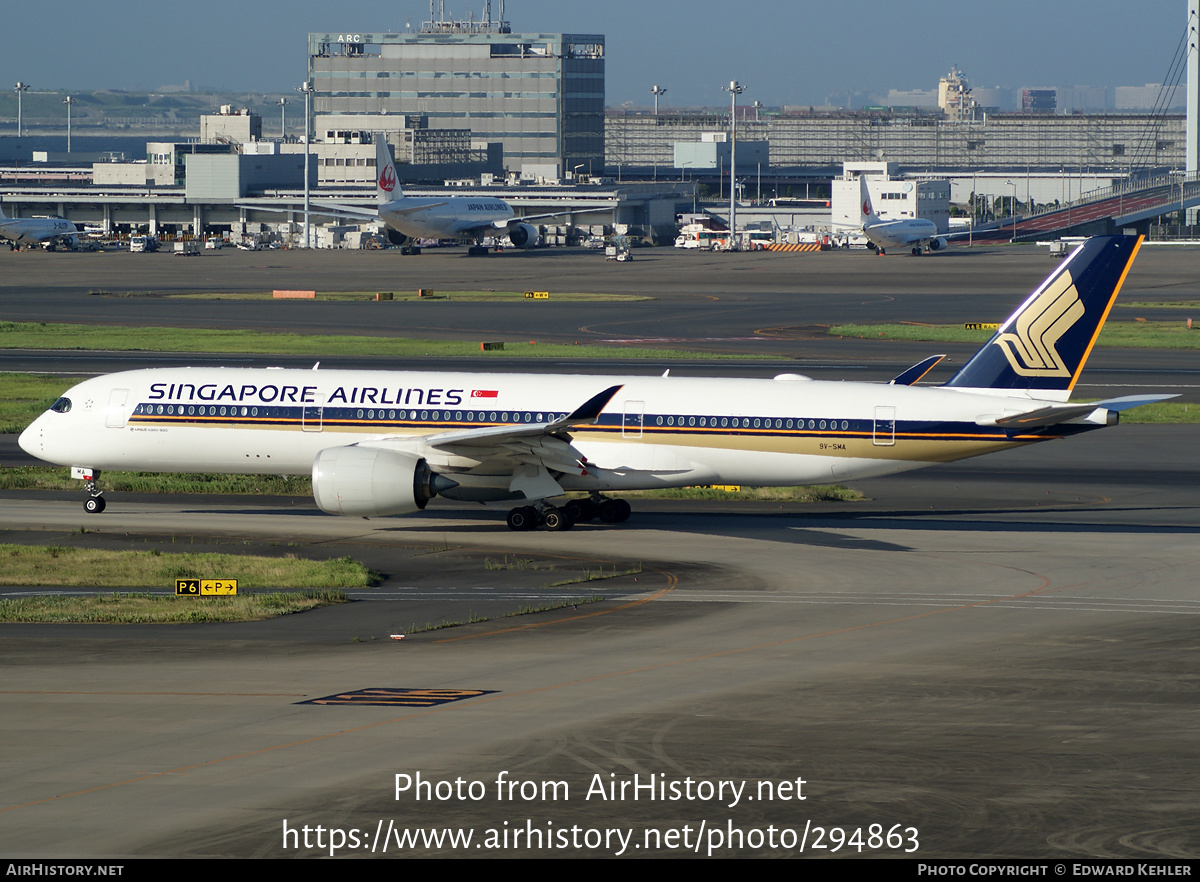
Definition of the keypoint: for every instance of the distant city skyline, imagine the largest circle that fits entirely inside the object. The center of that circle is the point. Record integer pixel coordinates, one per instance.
(784, 53)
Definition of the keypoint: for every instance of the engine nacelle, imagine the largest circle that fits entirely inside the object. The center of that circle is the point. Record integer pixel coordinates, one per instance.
(938, 244)
(396, 237)
(523, 236)
(372, 482)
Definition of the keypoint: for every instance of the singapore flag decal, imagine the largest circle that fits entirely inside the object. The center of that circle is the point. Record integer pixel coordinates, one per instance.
(484, 393)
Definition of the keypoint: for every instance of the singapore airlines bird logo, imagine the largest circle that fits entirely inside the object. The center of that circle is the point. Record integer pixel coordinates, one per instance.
(1030, 346)
(387, 179)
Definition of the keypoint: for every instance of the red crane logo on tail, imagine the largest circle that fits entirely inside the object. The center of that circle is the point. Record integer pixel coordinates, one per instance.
(866, 206)
(387, 179)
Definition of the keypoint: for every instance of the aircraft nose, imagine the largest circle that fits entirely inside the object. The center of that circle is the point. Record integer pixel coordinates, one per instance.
(31, 439)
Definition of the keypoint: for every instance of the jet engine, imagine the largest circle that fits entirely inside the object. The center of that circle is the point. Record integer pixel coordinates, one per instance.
(396, 237)
(938, 244)
(523, 235)
(372, 482)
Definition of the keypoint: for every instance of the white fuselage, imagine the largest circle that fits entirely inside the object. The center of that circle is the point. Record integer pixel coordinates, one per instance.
(654, 432)
(38, 230)
(901, 233)
(447, 218)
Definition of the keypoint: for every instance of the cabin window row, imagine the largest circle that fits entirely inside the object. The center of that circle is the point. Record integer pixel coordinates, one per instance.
(335, 413)
(747, 423)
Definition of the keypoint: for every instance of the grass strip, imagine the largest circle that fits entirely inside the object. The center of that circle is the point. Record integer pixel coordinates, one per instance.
(590, 575)
(58, 478)
(125, 608)
(47, 335)
(64, 566)
(24, 396)
(470, 296)
(1133, 335)
(1160, 304)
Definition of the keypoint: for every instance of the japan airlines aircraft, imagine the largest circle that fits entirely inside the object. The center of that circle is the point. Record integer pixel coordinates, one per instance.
(385, 443)
(914, 233)
(47, 231)
(447, 217)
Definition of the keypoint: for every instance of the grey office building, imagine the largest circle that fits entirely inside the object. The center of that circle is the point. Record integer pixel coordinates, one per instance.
(540, 95)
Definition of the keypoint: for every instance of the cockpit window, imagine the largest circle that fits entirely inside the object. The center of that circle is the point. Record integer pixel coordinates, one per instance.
(61, 406)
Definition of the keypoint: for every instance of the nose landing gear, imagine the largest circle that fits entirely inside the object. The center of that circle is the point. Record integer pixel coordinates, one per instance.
(94, 504)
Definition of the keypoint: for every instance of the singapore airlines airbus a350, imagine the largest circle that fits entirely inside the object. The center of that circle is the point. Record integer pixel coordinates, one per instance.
(385, 443)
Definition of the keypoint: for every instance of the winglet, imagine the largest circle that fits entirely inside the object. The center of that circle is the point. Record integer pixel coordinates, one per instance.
(590, 410)
(916, 372)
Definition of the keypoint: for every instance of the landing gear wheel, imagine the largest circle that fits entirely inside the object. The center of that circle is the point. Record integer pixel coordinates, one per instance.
(477, 251)
(615, 511)
(524, 518)
(94, 505)
(581, 510)
(557, 519)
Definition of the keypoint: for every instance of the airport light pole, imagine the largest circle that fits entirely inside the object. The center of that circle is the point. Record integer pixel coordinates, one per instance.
(306, 88)
(68, 101)
(19, 88)
(657, 90)
(282, 102)
(1013, 208)
(734, 90)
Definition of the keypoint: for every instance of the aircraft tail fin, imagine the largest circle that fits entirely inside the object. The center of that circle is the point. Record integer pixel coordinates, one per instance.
(3, 216)
(1044, 344)
(867, 213)
(386, 183)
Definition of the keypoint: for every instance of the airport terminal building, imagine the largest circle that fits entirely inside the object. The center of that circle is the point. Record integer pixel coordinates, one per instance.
(540, 95)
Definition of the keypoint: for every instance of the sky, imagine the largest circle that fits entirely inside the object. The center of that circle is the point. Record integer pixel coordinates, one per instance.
(794, 53)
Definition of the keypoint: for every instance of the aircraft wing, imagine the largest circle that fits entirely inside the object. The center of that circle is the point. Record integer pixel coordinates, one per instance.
(505, 224)
(532, 451)
(1056, 414)
(349, 210)
(319, 206)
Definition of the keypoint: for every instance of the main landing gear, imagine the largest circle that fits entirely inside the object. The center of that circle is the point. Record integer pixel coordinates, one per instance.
(530, 517)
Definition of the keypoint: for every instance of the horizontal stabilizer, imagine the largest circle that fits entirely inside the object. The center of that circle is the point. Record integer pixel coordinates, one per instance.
(1058, 414)
(917, 371)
